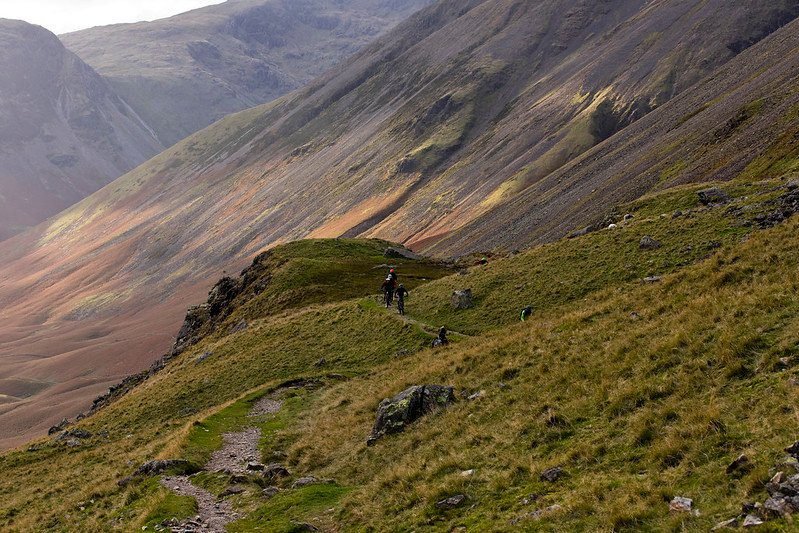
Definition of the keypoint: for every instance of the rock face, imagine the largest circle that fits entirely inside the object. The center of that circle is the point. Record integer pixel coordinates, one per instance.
(184, 73)
(64, 132)
(462, 299)
(395, 414)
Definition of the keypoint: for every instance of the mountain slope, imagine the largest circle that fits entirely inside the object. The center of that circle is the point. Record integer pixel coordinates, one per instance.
(454, 113)
(603, 381)
(64, 133)
(185, 72)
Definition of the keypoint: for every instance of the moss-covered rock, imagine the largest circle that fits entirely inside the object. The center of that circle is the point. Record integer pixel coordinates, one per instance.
(394, 414)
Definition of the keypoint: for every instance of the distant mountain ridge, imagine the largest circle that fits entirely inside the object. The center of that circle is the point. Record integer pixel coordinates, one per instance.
(64, 133)
(188, 71)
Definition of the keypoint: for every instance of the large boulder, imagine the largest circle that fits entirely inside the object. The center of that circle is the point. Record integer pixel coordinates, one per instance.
(649, 243)
(462, 299)
(394, 414)
(401, 253)
(713, 196)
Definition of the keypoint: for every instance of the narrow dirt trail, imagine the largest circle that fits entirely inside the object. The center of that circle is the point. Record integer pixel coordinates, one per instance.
(239, 448)
(212, 514)
(428, 328)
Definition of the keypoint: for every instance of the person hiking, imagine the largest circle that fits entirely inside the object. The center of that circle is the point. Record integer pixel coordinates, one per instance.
(442, 339)
(401, 293)
(388, 291)
(526, 313)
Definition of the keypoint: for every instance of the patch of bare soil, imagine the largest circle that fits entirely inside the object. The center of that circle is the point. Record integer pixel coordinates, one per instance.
(265, 406)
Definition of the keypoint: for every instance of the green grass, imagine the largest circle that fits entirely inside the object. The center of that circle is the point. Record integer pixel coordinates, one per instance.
(565, 271)
(284, 512)
(318, 271)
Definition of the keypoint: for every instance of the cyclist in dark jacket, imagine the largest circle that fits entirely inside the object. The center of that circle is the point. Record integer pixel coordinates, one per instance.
(388, 291)
(401, 293)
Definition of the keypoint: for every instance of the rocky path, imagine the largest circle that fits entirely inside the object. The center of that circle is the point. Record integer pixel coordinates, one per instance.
(239, 448)
(212, 514)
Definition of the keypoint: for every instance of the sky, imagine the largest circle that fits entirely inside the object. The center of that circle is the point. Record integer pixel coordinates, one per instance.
(62, 16)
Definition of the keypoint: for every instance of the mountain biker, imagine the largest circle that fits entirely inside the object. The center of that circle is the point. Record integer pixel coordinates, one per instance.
(442, 339)
(401, 293)
(392, 275)
(388, 290)
(526, 312)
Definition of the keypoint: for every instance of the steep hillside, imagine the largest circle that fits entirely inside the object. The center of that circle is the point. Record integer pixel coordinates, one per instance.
(185, 72)
(455, 113)
(64, 133)
(603, 382)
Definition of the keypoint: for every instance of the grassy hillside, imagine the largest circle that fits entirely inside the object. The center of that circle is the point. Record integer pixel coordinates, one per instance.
(473, 125)
(640, 391)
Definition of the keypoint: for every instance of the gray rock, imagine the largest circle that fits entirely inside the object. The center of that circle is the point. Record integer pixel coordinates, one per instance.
(153, 468)
(752, 521)
(681, 504)
(552, 474)
(401, 253)
(739, 466)
(275, 471)
(579, 232)
(476, 396)
(255, 467)
(793, 450)
(76, 433)
(202, 357)
(242, 325)
(452, 502)
(303, 526)
(777, 505)
(648, 243)
(732, 523)
(58, 427)
(270, 492)
(230, 491)
(713, 196)
(304, 482)
(395, 414)
(462, 299)
(652, 279)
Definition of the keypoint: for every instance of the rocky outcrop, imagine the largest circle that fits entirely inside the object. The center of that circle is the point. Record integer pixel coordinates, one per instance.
(462, 299)
(783, 207)
(154, 468)
(395, 414)
(401, 253)
(649, 243)
(713, 196)
(782, 489)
